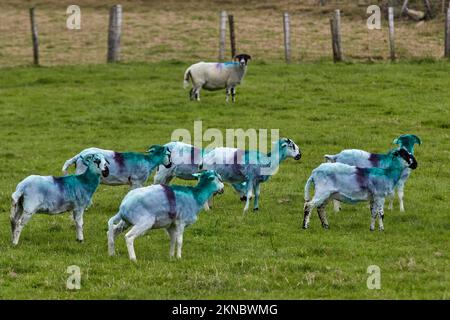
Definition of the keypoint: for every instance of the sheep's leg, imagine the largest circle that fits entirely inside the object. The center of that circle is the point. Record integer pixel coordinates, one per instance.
(391, 197)
(374, 212)
(179, 233)
(209, 204)
(112, 235)
(323, 215)
(307, 208)
(379, 208)
(173, 238)
(400, 198)
(336, 205)
(256, 200)
(26, 216)
(78, 218)
(197, 94)
(136, 231)
(227, 94)
(191, 94)
(249, 193)
(233, 94)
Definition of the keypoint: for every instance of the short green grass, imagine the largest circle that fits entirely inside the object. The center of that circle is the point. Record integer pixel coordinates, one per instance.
(49, 114)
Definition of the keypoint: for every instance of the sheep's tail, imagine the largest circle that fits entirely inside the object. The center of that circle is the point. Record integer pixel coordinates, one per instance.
(330, 157)
(187, 75)
(69, 162)
(16, 206)
(308, 187)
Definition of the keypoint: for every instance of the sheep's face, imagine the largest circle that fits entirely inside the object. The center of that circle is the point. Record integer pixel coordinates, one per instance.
(242, 59)
(290, 149)
(407, 157)
(407, 141)
(160, 154)
(211, 177)
(97, 163)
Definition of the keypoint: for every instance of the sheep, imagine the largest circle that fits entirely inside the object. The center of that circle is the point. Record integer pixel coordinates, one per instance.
(129, 168)
(353, 184)
(53, 195)
(161, 206)
(239, 166)
(365, 159)
(186, 159)
(216, 75)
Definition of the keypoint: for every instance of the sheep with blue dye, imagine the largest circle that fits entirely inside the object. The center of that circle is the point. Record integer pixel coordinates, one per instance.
(161, 206)
(186, 160)
(351, 184)
(125, 168)
(365, 159)
(250, 168)
(53, 195)
(216, 75)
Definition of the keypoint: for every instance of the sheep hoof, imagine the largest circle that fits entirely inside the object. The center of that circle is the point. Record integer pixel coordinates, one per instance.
(372, 229)
(381, 229)
(80, 240)
(244, 198)
(255, 209)
(325, 226)
(305, 226)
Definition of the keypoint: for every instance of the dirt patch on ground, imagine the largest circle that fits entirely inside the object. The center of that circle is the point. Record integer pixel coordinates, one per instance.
(188, 31)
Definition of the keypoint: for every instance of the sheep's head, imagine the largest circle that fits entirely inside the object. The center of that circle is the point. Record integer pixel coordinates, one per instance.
(97, 163)
(161, 155)
(288, 148)
(210, 177)
(407, 141)
(242, 59)
(407, 156)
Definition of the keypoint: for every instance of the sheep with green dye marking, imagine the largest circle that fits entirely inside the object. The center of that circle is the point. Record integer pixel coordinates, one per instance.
(160, 206)
(53, 195)
(351, 184)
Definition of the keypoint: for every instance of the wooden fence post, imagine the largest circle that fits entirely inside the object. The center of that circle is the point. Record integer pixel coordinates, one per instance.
(232, 37)
(222, 28)
(287, 37)
(34, 37)
(391, 33)
(428, 10)
(447, 34)
(114, 32)
(335, 24)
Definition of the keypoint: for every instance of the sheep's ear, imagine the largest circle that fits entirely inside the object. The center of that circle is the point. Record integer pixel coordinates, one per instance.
(396, 141)
(418, 141)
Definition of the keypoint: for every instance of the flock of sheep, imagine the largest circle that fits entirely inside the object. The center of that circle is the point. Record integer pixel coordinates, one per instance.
(350, 176)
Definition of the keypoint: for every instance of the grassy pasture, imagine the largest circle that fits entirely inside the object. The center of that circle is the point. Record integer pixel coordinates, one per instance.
(49, 114)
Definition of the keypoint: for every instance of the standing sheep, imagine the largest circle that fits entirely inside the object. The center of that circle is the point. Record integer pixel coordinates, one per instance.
(130, 168)
(53, 195)
(237, 166)
(161, 206)
(363, 159)
(216, 75)
(352, 184)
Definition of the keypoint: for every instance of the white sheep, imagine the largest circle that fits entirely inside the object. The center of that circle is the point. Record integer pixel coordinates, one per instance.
(161, 206)
(216, 75)
(352, 184)
(53, 195)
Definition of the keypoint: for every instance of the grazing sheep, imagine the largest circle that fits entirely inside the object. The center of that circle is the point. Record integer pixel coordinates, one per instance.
(53, 195)
(216, 75)
(239, 166)
(365, 159)
(186, 159)
(130, 168)
(353, 184)
(161, 206)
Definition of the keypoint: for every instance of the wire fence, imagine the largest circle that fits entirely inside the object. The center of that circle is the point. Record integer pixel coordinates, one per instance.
(156, 34)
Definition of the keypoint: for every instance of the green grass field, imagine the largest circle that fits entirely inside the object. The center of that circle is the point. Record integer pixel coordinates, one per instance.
(49, 114)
